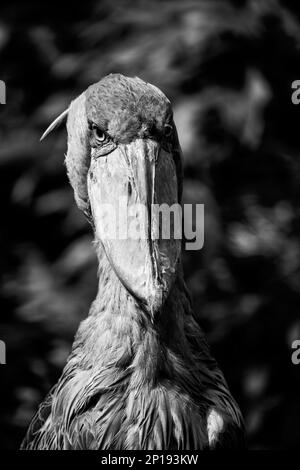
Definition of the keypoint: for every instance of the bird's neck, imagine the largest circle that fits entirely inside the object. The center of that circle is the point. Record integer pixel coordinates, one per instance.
(144, 370)
(119, 333)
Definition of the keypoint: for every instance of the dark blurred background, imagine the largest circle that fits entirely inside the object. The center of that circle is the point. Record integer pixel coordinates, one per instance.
(228, 67)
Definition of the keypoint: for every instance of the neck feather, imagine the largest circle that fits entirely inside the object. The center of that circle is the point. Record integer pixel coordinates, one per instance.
(146, 373)
(118, 331)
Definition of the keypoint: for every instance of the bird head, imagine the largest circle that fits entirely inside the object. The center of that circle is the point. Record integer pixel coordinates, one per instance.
(123, 160)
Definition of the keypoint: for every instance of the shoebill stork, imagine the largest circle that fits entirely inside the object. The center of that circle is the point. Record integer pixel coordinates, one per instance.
(140, 374)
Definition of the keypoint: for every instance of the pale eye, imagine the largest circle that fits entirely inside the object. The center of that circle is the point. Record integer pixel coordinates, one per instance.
(168, 130)
(99, 134)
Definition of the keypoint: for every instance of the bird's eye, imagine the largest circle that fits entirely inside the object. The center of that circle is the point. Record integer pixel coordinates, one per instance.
(98, 133)
(168, 130)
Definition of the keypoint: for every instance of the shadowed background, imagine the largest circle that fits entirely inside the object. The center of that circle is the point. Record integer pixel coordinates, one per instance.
(227, 66)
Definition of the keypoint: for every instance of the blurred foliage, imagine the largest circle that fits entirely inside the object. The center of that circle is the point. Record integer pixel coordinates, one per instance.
(227, 66)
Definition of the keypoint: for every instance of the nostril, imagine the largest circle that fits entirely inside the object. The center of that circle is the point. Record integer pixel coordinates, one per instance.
(129, 188)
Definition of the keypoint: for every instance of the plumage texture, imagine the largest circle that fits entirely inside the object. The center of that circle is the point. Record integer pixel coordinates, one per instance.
(131, 382)
(77, 160)
(127, 108)
(130, 385)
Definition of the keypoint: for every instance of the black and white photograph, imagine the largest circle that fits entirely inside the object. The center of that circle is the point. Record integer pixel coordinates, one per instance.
(150, 228)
